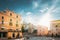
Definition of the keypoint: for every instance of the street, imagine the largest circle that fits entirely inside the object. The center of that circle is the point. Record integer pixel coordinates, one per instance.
(36, 38)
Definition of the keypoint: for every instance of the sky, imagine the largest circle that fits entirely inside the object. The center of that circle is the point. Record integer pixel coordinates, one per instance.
(32, 11)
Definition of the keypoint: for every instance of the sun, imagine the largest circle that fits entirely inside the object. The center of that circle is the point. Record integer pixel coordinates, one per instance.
(45, 20)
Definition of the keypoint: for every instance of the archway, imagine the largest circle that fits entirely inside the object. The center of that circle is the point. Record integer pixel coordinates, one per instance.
(13, 35)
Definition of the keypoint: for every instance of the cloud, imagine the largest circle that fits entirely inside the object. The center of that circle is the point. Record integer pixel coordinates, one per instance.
(56, 10)
(28, 13)
(35, 4)
(29, 18)
(43, 10)
(22, 12)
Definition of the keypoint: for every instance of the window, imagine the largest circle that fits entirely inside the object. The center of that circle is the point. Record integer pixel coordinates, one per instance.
(10, 14)
(16, 16)
(2, 22)
(10, 24)
(2, 17)
(16, 25)
(56, 25)
(2, 28)
(10, 19)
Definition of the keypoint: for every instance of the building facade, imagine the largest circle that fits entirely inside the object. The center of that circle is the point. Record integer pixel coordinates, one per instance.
(10, 25)
(55, 27)
(30, 28)
(42, 30)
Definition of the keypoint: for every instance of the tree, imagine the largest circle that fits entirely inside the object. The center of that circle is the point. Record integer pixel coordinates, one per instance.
(22, 29)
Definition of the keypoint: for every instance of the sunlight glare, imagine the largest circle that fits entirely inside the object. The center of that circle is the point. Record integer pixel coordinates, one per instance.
(45, 20)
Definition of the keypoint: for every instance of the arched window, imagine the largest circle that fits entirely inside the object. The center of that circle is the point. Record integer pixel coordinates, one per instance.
(17, 16)
(10, 20)
(56, 25)
(2, 22)
(10, 24)
(10, 14)
(2, 17)
(17, 25)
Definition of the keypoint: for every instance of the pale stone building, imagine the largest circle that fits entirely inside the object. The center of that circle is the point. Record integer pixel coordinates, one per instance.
(42, 30)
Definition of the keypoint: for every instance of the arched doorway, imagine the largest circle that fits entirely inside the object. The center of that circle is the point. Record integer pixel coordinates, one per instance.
(13, 35)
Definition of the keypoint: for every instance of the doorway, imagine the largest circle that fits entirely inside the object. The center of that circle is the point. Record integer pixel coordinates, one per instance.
(13, 35)
(3, 34)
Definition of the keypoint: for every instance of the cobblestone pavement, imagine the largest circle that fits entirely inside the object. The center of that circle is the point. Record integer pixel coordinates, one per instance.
(43, 38)
(36, 38)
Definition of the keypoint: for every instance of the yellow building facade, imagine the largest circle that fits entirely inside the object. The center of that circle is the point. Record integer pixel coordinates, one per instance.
(10, 24)
(55, 27)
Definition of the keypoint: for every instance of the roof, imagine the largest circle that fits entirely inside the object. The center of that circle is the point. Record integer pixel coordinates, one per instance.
(58, 21)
